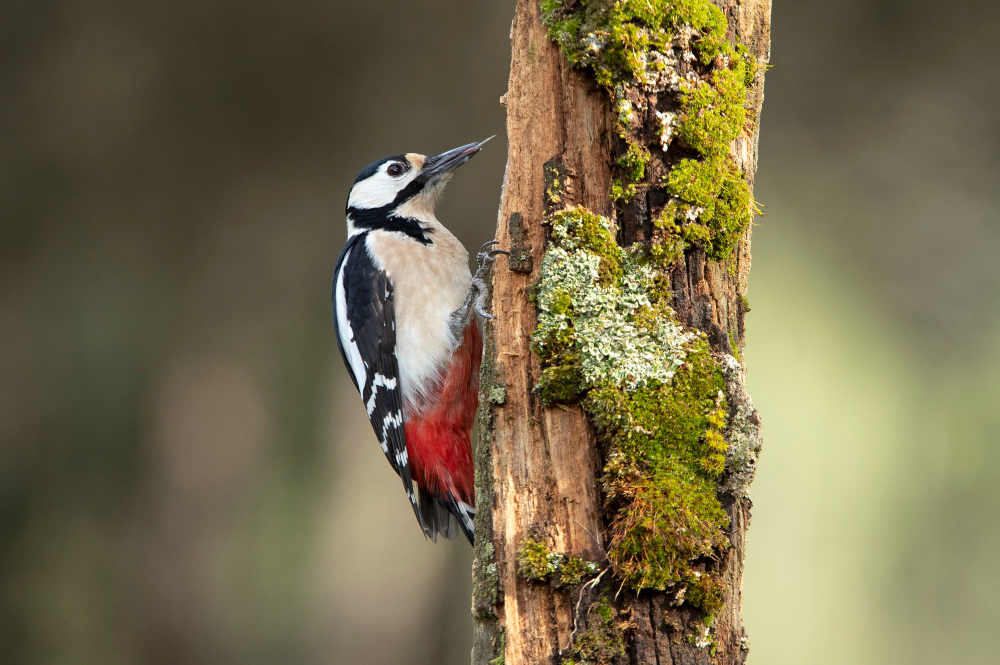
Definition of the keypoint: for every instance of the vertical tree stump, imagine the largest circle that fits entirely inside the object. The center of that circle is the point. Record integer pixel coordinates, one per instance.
(542, 509)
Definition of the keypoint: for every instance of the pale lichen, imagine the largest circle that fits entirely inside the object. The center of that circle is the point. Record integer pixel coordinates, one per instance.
(610, 342)
(668, 123)
(743, 433)
(497, 395)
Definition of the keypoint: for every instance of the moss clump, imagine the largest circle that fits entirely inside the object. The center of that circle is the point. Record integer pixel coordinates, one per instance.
(711, 205)
(606, 638)
(620, 40)
(633, 162)
(574, 570)
(677, 46)
(606, 334)
(537, 563)
(534, 560)
(666, 452)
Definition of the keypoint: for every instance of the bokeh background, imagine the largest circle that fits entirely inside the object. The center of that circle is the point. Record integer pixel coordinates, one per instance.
(186, 475)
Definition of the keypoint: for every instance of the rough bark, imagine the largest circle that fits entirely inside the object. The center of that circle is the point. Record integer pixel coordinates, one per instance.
(538, 467)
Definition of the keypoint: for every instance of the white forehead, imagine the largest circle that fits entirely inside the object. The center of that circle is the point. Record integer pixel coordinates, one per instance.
(380, 188)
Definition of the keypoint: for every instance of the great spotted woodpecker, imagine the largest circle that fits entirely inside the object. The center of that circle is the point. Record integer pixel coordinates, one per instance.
(403, 303)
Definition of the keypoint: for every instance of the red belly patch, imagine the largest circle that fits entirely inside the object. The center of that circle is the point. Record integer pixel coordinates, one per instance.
(438, 437)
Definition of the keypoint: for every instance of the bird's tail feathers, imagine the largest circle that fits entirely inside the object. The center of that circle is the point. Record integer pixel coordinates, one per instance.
(445, 516)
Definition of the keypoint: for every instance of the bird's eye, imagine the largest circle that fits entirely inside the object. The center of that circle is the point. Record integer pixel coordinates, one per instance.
(395, 169)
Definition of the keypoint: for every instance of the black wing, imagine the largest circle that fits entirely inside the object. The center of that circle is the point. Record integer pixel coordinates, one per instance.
(364, 320)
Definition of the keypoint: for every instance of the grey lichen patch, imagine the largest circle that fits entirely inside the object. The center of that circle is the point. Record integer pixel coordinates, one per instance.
(498, 395)
(604, 321)
(485, 582)
(744, 435)
(520, 259)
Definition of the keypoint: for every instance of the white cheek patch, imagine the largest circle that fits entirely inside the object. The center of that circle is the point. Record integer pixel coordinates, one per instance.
(379, 189)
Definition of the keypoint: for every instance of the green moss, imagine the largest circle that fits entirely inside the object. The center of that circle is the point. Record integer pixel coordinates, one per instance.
(574, 570)
(501, 650)
(560, 383)
(711, 205)
(634, 161)
(535, 562)
(635, 44)
(655, 396)
(606, 638)
(666, 452)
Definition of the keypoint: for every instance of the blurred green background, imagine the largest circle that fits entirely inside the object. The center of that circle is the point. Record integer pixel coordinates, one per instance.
(186, 474)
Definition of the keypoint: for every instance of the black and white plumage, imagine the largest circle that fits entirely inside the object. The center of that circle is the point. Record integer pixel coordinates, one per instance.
(364, 323)
(403, 301)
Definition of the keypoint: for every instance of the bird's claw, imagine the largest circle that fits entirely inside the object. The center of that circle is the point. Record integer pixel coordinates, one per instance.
(486, 256)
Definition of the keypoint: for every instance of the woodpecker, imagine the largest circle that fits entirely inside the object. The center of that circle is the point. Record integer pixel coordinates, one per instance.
(404, 306)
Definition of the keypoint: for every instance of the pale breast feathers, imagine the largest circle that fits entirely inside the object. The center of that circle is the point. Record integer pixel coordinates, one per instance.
(431, 281)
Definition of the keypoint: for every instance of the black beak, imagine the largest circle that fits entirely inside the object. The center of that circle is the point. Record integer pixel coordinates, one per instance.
(436, 166)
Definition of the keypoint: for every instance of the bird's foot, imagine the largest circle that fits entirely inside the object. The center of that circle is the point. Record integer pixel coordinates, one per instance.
(486, 256)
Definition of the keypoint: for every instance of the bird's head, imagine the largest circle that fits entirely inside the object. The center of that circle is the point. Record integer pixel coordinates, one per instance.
(399, 192)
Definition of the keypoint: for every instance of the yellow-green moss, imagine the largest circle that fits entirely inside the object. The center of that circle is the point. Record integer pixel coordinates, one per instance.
(666, 451)
(574, 570)
(645, 44)
(501, 649)
(537, 563)
(633, 163)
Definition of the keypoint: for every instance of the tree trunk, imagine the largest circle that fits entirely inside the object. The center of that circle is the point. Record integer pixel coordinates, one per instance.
(546, 589)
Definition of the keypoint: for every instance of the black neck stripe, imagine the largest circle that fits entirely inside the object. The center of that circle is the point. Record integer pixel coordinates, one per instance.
(382, 219)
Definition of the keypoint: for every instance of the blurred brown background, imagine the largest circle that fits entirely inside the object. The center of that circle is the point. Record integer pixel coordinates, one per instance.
(186, 475)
